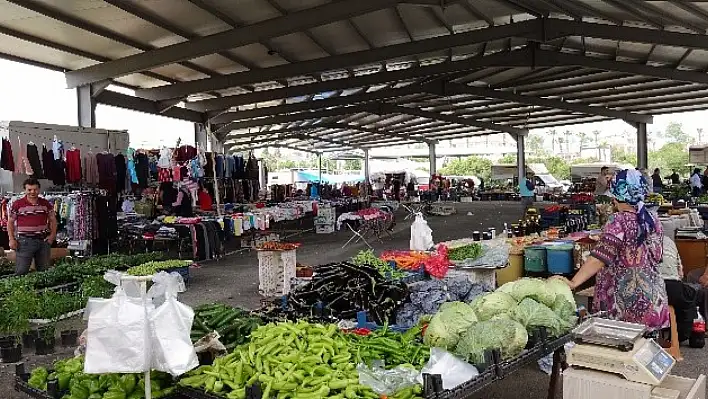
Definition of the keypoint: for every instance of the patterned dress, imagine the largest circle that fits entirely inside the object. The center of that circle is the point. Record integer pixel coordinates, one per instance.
(629, 286)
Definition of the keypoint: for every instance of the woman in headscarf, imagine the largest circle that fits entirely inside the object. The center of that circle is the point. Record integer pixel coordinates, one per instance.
(625, 260)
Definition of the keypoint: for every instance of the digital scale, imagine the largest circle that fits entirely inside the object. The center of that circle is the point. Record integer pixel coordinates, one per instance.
(612, 359)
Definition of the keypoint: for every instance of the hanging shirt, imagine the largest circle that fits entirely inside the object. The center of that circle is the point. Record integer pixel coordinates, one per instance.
(132, 175)
(58, 149)
(73, 166)
(91, 168)
(165, 160)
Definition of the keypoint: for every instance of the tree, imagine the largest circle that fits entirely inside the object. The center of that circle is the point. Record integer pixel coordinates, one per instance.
(534, 143)
(508, 159)
(672, 156)
(470, 166)
(675, 134)
(352, 164)
(583, 140)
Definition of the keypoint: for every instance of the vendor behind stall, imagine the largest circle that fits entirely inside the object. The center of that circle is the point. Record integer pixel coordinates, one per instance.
(682, 296)
(626, 259)
(177, 202)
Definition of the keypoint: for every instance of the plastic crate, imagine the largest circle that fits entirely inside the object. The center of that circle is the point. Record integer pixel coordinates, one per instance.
(183, 271)
(22, 386)
(485, 378)
(192, 393)
(362, 321)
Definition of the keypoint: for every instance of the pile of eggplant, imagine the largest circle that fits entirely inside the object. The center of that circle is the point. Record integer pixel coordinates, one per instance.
(338, 291)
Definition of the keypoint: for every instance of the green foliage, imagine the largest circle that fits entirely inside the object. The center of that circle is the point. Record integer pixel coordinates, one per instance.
(674, 134)
(475, 166)
(670, 156)
(352, 164)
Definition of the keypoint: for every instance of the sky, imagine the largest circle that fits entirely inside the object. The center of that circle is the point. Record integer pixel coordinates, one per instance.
(33, 94)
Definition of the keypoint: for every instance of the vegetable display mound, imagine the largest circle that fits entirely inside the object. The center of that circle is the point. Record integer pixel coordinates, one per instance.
(446, 327)
(77, 385)
(468, 251)
(340, 290)
(391, 347)
(289, 360)
(406, 260)
(277, 246)
(369, 259)
(150, 268)
(508, 336)
(233, 325)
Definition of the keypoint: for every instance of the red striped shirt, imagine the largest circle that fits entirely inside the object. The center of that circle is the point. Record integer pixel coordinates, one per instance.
(32, 220)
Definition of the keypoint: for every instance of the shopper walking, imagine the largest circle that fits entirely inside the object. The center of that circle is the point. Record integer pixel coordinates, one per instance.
(696, 183)
(32, 228)
(675, 178)
(527, 191)
(626, 258)
(657, 181)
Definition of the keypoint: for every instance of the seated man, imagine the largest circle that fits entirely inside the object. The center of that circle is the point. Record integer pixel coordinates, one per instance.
(682, 296)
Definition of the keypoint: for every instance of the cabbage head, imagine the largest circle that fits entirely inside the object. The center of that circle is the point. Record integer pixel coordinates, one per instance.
(507, 288)
(492, 304)
(448, 324)
(535, 289)
(566, 312)
(560, 288)
(508, 336)
(533, 315)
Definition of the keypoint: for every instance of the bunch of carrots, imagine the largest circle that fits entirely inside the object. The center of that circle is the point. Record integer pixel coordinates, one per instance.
(406, 260)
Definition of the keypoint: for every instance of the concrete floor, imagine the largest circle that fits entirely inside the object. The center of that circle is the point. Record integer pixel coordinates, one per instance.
(234, 280)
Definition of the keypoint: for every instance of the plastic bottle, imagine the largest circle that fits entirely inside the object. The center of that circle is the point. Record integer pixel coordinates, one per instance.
(698, 332)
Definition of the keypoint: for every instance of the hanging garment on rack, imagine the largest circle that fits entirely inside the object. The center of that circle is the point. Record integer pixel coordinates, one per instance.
(196, 170)
(57, 148)
(59, 172)
(185, 153)
(73, 165)
(142, 169)
(120, 173)
(23, 165)
(33, 159)
(106, 164)
(48, 163)
(240, 167)
(7, 160)
(209, 167)
(219, 166)
(91, 168)
(132, 175)
(176, 173)
(165, 160)
(164, 175)
(229, 167)
(252, 168)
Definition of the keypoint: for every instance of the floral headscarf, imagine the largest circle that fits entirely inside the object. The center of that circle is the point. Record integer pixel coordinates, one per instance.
(631, 187)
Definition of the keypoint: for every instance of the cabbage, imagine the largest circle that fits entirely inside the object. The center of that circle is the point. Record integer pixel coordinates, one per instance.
(566, 312)
(445, 328)
(533, 288)
(508, 336)
(533, 315)
(489, 305)
(507, 288)
(560, 288)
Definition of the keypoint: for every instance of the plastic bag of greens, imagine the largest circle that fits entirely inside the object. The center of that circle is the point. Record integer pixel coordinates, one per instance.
(387, 382)
(453, 370)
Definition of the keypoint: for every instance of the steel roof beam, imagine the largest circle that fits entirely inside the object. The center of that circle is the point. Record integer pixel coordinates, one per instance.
(120, 100)
(234, 38)
(522, 57)
(552, 58)
(448, 89)
(98, 30)
(300, 116)
(529, 29)
(237, 148)
(316, 104)
(396, 109)
(559, 28)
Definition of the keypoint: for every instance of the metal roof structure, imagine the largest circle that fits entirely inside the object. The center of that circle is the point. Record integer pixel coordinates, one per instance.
(324, 75)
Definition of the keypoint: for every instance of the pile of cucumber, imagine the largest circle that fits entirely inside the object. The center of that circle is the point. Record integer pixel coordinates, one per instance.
(233, 325)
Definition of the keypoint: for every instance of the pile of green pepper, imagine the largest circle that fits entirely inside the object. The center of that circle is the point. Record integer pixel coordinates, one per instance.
(469, 251)
(392, 347)
(290, 360)
(233, 325)
(76, 385)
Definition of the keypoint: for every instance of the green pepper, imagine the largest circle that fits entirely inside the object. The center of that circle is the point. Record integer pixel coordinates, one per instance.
(209, 384)
(218, 386)
(195, 381)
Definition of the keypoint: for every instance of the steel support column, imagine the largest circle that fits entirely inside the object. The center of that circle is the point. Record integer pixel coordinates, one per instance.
(86, 106)
(200, 136)
(433, 158)
(642, 146)
(521, 157)
(319, 165)
(366, 172)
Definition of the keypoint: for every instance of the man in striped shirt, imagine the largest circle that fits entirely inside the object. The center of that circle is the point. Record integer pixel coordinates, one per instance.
(32, 228)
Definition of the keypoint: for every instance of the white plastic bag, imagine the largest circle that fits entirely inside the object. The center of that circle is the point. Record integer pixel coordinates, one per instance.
(421, 234)
(454, 371)
(117, 335)
(386, 382)
(170, 325)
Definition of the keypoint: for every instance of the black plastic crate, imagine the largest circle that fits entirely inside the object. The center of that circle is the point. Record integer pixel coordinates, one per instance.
(192, 393)
(469, 388)
(22, 386)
